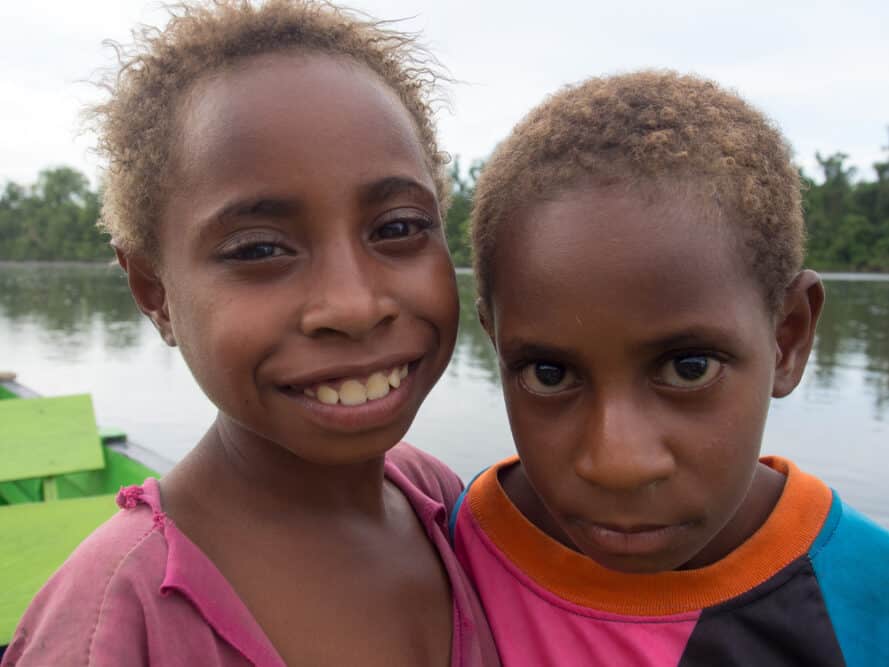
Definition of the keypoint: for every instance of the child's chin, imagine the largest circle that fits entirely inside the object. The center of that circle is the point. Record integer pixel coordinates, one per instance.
(638, 563)
(348, 450)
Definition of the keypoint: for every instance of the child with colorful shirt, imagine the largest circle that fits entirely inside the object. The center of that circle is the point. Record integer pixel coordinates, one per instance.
(638, 246)
(274, 194)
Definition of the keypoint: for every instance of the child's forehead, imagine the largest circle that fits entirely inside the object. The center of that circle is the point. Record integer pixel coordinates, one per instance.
(294, 104)
(229, 102)
(642, 223)
(665, 253)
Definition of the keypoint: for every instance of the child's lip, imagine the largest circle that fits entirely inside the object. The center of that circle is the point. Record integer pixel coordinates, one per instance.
(630, 538)
(335, 374)
(631, 528)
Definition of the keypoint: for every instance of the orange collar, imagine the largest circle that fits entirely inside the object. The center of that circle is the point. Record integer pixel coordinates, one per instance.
(785, 536)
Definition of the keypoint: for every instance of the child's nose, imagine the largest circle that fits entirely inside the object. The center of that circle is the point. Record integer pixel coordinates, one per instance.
(622, 450)
(349, 296)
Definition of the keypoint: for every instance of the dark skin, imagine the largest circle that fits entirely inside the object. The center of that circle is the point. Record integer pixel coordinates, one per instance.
(302, 244)
(638, 359)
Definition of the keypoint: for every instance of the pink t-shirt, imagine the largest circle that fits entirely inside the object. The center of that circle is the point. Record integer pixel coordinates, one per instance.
(139, 592)
(551, 605)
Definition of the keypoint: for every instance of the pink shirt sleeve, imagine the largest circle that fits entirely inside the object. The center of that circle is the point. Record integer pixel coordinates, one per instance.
(106, 606)
(77, 617)
(427, 473)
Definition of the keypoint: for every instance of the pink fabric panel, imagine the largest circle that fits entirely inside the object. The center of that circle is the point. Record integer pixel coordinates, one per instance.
(532, 626)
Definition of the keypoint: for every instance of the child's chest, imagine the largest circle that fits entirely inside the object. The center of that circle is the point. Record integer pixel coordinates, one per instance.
(371, 600)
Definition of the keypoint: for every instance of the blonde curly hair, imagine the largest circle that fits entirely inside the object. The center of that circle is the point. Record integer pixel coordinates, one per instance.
(136, 125)
(651, 128)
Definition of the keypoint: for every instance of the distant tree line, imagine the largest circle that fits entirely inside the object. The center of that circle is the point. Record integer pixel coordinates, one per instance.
(53, 219)
(847, 218)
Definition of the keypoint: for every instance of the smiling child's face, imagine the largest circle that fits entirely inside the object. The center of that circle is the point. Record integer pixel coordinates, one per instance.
(638, 358)
(303, 269)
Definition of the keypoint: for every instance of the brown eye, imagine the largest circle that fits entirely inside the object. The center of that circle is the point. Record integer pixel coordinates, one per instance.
(689, 371)
(400, 228)
(394, 230)
(256, 251)
(546, 378)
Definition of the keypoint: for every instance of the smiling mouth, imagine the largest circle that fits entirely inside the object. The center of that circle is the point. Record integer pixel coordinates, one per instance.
(354, 391)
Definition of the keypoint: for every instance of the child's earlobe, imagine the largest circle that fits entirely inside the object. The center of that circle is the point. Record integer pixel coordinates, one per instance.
(795, 330)
(148, 292)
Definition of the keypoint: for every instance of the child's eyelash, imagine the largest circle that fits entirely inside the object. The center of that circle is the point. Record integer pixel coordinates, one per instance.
(694, 352)
(419, 222)
(253, 252)
(239, 249)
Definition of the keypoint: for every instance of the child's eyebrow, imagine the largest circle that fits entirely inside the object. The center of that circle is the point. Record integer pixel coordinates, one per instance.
(701, 335)
(267, 206)
(272, 206)
(517, 348)
(381, 190)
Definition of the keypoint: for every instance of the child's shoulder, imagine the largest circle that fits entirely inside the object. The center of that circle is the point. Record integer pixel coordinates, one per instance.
(848, 533)
(102, 583)
(850, 558)
(425, 472)
(852, 546)
(130, 545)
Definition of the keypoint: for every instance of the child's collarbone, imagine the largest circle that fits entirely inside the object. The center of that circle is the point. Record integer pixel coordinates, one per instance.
(369, 598)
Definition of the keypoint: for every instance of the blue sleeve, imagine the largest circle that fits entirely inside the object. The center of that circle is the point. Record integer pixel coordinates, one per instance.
(851, 560)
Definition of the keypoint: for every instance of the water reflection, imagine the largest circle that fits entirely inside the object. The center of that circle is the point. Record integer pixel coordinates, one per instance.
(71, 305)
(473, 346)
(854, 333)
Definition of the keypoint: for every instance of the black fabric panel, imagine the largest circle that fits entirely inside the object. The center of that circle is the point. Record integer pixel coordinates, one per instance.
(780, 623)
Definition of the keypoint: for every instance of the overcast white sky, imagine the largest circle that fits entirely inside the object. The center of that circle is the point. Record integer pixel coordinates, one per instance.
(819, 69)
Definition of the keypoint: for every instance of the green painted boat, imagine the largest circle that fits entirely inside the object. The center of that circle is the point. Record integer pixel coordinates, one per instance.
(59, 475)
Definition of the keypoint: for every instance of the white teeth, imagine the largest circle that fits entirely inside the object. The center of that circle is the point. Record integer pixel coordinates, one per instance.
(352, 392)
(328, 395)
(377, 386)
(356, 392)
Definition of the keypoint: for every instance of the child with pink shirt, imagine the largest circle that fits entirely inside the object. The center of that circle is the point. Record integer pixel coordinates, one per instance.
(274, 193)
(638, 244)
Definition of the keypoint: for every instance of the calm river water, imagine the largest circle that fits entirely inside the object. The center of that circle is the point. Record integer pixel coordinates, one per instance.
(73, 328)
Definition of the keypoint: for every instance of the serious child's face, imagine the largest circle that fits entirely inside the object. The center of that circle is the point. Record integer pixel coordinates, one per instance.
(637, 357)
(307, 278)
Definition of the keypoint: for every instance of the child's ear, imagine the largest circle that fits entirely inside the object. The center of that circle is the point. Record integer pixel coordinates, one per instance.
(485, 319)
(148, 292)
(795, 330)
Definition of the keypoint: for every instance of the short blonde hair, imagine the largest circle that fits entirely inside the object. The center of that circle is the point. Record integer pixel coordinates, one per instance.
(651, 128)
(136, 126)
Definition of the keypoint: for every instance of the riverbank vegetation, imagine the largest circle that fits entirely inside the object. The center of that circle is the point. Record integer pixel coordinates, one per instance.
(847, 218)
(53, 219)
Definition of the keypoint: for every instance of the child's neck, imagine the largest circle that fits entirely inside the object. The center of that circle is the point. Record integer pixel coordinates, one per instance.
(519, 490)
(249, 475)
(764, 493)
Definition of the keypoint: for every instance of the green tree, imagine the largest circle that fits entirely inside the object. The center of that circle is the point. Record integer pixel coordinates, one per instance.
(457, 222)
(847, 220)
(54, 219)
